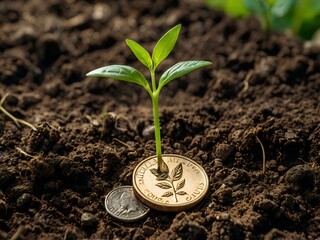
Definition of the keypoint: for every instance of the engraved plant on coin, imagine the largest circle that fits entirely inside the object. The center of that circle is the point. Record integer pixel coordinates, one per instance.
(174, 176)
(160, 52)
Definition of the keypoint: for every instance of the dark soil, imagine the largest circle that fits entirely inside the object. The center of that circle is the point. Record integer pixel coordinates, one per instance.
(91, 132)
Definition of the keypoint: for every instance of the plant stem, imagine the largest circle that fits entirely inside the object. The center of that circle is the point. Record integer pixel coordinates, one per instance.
(162, 167)
(267, 20)
(155, 103)
(153, 80)
(297, 16)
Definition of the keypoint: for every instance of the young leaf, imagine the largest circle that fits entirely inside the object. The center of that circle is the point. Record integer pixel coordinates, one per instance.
(281, 7)
(141, 53)
(311, 11)
(177, 172)
(179, 70)
(121, 72)
(163, 185)
(236, 8)
(256, 6)
(165, 45)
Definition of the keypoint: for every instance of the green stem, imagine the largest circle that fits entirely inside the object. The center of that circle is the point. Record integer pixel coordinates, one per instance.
(155, 103)
(267, 19)
(153, 80)
(298, 13)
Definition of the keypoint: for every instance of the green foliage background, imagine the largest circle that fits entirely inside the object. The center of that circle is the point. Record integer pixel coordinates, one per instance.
(302, 17)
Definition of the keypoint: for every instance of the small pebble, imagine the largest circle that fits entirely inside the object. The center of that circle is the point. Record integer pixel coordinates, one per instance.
(272, 164)
(224, 151)
(88, 220)
(223, 217)
(148, 132)
(19, 190)
(24, 201)
(301, 177)
(223, 195)
(282, 168)
(101, 11)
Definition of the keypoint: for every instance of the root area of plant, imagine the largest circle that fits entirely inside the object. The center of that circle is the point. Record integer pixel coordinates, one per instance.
(262, 91)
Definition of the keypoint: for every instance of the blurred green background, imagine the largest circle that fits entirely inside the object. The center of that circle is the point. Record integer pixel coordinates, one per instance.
(301, 17)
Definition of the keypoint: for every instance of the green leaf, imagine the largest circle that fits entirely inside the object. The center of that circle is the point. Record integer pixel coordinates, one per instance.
(232, 7)
(216, 3)
(282, 7)
(179, 70)
(311, 10)
(236, 8)
(165, 45)
(141, 53)
(256, 6)
(121, 72)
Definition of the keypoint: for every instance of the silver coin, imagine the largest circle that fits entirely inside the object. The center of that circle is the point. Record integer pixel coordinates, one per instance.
(122, 204)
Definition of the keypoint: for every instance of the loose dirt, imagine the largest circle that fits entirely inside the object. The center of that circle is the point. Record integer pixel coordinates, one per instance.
(92, 132)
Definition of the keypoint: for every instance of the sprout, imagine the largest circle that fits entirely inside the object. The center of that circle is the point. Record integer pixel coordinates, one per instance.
(160, 52)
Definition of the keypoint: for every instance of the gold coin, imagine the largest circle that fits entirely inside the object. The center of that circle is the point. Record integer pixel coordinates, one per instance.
(182, 187)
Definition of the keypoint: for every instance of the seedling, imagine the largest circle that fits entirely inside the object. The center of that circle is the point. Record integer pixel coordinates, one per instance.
(255, 133)
(17, 121)
(246, 82)
(160, 52)
(272, 12)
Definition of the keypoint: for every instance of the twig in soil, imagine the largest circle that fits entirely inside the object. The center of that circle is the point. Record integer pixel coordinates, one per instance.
(123, 143)
(115, 224)
(246, 82)
(313, 164)
(256, 131)
(17, 121)
(24, 153)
